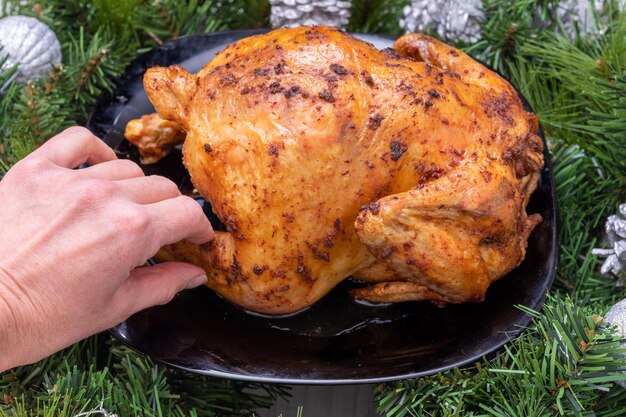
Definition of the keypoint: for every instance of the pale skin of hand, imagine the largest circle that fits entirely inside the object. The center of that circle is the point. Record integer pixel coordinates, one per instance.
(73, 242)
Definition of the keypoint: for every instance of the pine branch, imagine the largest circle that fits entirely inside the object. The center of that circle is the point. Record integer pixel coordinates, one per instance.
(99, 372)
(376, 16)
(566, 364)
(36, 116)
(64, 17)
(508, 25)
(585, 197)
(11, 7)
(91, 68)
(243, 14)
(183, 18)
(8, 94)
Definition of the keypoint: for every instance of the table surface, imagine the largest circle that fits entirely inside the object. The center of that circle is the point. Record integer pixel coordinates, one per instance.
(326, 401)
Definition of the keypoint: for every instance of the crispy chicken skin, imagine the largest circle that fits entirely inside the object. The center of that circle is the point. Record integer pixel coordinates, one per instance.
(327, 158)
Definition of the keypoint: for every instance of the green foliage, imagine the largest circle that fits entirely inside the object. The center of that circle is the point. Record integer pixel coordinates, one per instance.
(11, 7)
(565, 364)
(243, 14)
(507, 25)
(8, 92)
(182, 18)
(376, 16)
(98, 374)
(91, 68)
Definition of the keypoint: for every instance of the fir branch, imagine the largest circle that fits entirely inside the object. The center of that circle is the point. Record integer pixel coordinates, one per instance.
(64, 17)
(11, 7)
(8, 94)
(183, 18)
(585, 196)
(507, 24)
(117, 17)
(243, 14)
(376, 16)
(91, 67)
(4, 166)
(100, 373)
(36, 117)
(566, 363)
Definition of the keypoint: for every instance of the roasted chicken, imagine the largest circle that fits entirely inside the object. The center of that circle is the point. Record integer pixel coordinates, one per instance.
(409, 169)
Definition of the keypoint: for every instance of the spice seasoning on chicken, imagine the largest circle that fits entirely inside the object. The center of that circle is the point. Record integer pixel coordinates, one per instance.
(327, 96)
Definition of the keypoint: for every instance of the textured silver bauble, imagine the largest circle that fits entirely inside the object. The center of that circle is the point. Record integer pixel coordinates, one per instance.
(584, 17)
(292, 13)
(615, 254)
(449, 19)
(617, 317)
(29, 43)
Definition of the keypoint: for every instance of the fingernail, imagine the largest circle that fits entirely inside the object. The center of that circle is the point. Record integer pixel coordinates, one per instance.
(196, 281)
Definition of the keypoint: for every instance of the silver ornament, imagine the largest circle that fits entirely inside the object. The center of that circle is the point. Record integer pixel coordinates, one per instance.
(578, 13)
(449, 19)
(29, 43)
(584, 17)
(617, 317)
(292, 13)
(615, 255)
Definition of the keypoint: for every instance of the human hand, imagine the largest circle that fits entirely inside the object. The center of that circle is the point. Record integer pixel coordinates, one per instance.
(72, 243)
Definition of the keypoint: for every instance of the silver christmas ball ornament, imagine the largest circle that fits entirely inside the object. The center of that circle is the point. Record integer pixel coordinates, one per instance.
(589, 16)
(449, 19)
(30, 44)
(292, 13)
(615, 255)
(617, 317)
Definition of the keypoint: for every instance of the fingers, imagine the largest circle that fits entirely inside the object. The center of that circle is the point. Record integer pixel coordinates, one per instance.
(118, 169)
(180, 218)
(130, 177)
(76, 146)
(148, 190)
(155, 285)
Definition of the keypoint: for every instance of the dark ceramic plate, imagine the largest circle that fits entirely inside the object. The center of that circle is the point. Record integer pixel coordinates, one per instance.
(337, 340)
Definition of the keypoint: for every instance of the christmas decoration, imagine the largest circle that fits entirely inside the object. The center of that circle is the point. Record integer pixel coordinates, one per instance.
(449, 19)
(29, 43)
(617, 317)
(309, 13)
(615, 261)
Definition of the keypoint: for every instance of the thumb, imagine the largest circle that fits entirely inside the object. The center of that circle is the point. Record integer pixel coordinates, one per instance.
(155, 285)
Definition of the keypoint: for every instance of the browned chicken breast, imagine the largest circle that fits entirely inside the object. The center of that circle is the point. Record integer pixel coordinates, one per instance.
(327, 158)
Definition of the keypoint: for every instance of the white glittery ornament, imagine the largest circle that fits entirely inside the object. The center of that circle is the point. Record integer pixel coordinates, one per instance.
(292, 13)
(615, 228)
(449, 19)
(29, 43)
(617, 317)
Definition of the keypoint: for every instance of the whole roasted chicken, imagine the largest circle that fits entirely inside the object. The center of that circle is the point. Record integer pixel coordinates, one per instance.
(409, 169)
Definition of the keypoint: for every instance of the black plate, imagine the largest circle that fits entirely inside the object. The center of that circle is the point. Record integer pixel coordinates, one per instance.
(337, 340)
